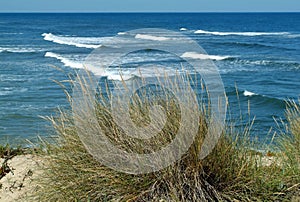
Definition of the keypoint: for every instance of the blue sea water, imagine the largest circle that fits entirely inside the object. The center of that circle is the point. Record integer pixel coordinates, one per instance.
(257, 52)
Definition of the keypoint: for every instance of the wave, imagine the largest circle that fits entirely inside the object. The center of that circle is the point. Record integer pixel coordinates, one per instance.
(257, 100)
(240, 33)
(112, 73)
(251, 45)
(232, 91)
(12, 90)
(67, 62)
(285, 64)
(75, 63)
(122, 33)
(200, 56)
(183, 29)
(294, 36)
(12, 33)
(248, 93)
(150, 37)
(118, 74)
(81, 42)
(19, 50)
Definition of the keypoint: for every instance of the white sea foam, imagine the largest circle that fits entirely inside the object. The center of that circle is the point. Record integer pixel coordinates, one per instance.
(183, 29)
(248, 93)
(12, 33)
(150, 37)
(145, 72)
(122, 33)
(67, 62)
(252, 62)
(81, 42)
(200, 56)
(111, 73)
(278, 63)
(240, 33)
(75, 63)
(118, 77)
(294, 36)
(20, 49)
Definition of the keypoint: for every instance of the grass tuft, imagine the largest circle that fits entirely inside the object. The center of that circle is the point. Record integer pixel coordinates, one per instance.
(231, 172)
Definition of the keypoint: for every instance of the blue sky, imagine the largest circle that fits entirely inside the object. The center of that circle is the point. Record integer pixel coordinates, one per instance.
(149, 5)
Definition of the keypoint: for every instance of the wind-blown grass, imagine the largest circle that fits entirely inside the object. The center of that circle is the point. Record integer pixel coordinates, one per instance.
(231, 172)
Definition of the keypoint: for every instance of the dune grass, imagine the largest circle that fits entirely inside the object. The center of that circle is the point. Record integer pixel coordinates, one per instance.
(231, 172)
(7, 151)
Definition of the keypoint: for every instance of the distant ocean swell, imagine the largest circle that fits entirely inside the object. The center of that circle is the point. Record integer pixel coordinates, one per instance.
(251, 45)
(77, 63)
(98, 42)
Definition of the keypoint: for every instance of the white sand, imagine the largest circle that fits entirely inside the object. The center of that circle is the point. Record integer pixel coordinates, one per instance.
(18, 184)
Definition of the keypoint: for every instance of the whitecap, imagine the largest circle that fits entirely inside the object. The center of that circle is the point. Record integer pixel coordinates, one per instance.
(194, 55)
(12, 33)
(81, 42)
(183, 29)
(20, 49)
(294, 36)
(150, 37)
(248, 93)
(144, 72)
(67, 62)
(75, 63)
(240, 33)
(122, 33)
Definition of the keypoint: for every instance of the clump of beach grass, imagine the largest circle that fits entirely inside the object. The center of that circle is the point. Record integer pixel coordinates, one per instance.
(7, 150)
(231, 172)
(289, 145)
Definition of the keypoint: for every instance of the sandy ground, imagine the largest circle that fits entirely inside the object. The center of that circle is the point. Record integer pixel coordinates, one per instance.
(19, 183)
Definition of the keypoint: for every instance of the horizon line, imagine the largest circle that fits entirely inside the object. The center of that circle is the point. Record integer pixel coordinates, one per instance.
(107, 12)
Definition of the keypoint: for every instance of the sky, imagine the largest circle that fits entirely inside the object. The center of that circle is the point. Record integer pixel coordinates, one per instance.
(149, 5)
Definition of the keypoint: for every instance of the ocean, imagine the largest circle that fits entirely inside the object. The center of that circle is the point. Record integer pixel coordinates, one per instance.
(257, 54)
